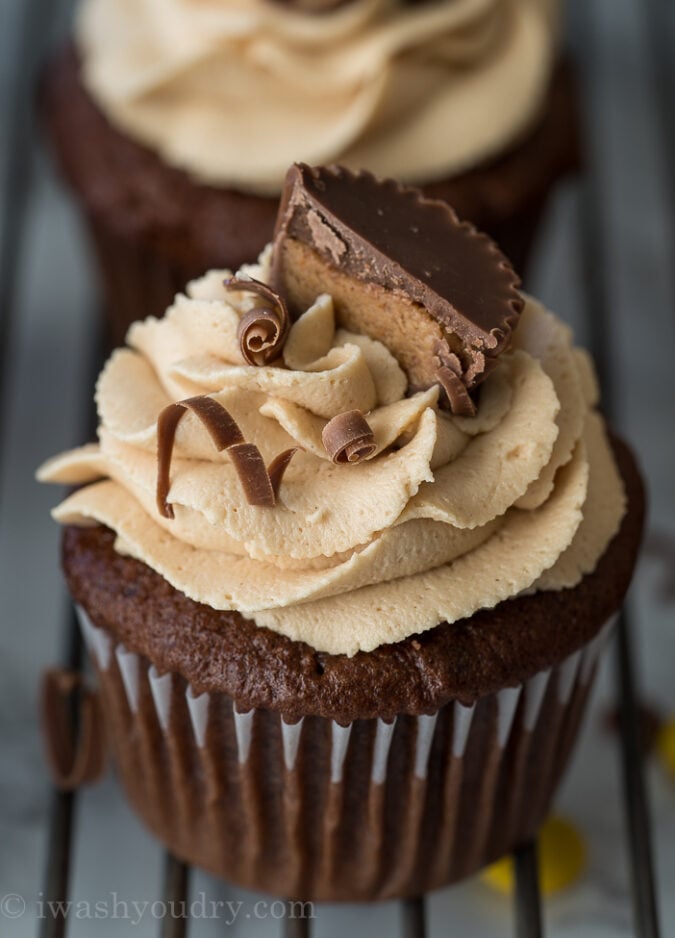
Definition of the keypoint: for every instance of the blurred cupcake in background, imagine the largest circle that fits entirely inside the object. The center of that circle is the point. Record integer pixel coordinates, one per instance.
(174, 122)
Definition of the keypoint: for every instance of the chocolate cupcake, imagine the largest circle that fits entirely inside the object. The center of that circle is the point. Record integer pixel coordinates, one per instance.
(175, 127)
(345, 610)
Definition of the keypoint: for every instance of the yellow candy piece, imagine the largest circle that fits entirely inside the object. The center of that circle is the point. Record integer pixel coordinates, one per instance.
(562, 858)
(665, 745)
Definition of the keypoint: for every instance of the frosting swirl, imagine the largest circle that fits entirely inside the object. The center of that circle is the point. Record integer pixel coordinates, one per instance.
(445, 516)
(235, 91)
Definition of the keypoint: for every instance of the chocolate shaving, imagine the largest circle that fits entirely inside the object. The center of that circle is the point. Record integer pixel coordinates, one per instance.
(255, 481)
(222, 429)
(348, 438)
(166, 434)
(221, 426)
(72, 724)
(312, 6)
(262, 331)
(459, 399)
(278, 467)
(261, 485)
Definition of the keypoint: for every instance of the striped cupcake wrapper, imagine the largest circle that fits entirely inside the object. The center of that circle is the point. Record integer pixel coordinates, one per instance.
(317, 810)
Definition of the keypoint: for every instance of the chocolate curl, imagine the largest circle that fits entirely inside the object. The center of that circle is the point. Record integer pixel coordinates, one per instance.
(348, 438)
(278, 467)
(72, 724)
(261, 485)
(312, 6)
(262, 330)
(253, 475)
(221, 426)
(222, 429)
(458, 397)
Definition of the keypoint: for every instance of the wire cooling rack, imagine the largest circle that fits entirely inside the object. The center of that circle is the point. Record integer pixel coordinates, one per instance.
(33, 24)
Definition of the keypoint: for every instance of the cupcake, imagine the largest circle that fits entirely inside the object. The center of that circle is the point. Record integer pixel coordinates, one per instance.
(346, 551)
(175, 123)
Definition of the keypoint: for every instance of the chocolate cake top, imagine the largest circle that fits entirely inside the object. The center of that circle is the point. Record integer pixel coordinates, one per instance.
(379, 232)
(223, 651)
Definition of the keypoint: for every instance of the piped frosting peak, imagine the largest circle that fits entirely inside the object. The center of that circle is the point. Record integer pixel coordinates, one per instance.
(441, 516)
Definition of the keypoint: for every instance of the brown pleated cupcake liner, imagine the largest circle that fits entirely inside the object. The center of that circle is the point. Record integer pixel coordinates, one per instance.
(137, 278)
(316, 810)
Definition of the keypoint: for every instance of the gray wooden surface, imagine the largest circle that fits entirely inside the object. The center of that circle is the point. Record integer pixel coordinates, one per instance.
(623, 52)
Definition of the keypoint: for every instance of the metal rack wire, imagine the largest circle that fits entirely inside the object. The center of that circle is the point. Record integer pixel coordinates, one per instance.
(528, 917)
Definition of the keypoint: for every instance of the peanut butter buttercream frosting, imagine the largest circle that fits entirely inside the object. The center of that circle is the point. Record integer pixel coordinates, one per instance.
(234, 90)
(443, 516)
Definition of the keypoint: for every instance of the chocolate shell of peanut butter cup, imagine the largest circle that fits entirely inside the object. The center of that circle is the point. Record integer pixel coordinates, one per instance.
(400, 267)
